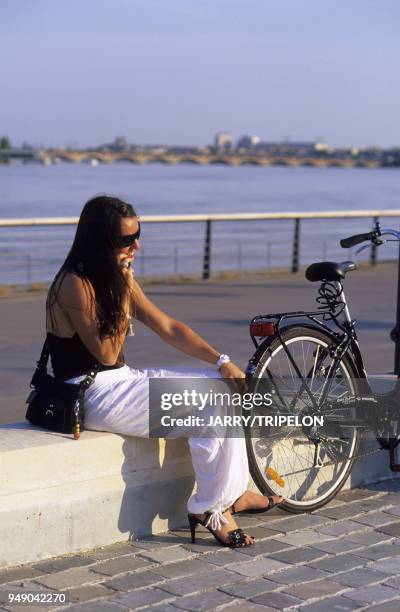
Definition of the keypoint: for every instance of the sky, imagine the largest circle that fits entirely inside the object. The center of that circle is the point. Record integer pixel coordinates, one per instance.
(82, 72)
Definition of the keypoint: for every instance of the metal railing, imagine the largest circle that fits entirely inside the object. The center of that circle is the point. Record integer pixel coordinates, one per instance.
(208, 248)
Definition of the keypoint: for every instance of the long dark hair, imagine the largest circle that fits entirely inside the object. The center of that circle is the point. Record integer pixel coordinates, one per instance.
(93, 258)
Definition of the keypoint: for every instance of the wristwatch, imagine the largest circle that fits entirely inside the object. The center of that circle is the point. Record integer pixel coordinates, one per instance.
(223, 359)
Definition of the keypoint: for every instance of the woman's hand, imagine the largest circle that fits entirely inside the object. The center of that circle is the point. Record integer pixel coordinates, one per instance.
(127, 272)
(231, 370)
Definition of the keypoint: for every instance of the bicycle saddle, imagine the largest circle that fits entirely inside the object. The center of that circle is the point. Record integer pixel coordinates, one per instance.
(329, 270)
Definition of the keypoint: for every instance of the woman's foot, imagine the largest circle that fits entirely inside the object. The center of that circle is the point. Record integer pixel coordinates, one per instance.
(254, 501)
(222, 533)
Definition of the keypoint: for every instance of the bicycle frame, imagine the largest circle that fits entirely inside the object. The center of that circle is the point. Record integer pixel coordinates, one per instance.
(312, 361)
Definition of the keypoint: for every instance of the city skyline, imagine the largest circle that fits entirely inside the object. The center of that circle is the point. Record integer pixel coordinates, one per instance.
(176, 73)
(250, 142)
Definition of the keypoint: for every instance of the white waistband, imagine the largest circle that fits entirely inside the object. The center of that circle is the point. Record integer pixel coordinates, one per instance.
(114, 373)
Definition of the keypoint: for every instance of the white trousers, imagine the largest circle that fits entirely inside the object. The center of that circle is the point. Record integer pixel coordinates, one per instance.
(118, 402)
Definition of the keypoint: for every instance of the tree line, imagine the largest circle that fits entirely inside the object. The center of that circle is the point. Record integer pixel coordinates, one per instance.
(5, 142)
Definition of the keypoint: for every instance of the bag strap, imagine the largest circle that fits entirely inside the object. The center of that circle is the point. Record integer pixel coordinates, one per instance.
(44, 357)
(89, 380)
(42, 369)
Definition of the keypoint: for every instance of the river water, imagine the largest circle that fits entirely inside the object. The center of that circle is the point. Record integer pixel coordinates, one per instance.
(33, 190)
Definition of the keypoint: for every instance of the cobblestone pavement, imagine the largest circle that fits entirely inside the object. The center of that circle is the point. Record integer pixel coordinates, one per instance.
(345, 556)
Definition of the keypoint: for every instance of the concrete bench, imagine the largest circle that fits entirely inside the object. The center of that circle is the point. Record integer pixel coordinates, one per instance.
(59, 495)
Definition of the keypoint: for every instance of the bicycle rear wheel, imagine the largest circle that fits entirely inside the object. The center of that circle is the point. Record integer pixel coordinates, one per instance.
(287, 460)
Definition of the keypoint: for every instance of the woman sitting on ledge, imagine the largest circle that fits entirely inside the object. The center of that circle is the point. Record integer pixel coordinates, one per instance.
(89, 306)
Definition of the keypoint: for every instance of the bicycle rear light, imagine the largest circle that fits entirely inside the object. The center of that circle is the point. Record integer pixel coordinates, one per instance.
(258, 328)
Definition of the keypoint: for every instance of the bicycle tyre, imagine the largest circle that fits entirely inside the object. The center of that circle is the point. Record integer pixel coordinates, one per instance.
(265, 361)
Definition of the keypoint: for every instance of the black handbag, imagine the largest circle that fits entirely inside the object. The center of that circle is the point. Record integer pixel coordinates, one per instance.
(54, 404)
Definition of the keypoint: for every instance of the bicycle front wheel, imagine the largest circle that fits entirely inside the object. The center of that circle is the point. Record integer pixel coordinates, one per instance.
(307, 466)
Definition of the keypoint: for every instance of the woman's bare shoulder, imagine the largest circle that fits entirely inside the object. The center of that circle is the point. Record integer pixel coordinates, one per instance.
(74, 289)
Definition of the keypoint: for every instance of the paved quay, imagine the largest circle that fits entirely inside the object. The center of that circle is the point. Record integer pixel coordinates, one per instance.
(220, 310)
(345, 556)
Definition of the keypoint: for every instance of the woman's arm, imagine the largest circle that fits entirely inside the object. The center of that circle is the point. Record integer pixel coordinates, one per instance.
(177, 334)
(76, 298)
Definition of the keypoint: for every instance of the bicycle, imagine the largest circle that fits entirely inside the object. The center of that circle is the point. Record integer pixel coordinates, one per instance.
(312, 365)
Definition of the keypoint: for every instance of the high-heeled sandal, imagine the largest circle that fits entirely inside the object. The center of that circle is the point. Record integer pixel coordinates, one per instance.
(214, 519)
(271, 505)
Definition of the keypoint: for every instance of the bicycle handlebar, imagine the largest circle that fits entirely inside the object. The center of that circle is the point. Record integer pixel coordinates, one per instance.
(373, 237)
(351, 241)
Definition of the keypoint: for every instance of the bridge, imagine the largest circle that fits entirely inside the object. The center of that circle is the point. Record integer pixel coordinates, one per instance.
(50, 156)
(203, 159)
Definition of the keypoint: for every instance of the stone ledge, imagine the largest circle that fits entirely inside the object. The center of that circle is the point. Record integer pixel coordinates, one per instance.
(23, 449)
(59, 495)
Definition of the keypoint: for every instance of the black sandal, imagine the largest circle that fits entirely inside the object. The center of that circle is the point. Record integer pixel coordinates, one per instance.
(271, 505)
(237, 537)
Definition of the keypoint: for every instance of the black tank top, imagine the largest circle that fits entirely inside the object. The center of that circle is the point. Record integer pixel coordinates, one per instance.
(70, 357)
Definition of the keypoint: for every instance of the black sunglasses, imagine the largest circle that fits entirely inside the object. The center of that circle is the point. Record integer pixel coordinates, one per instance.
(122, 242)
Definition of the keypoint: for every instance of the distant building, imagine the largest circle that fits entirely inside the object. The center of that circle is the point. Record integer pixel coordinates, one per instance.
(248, 142)
(390, 157)
(120, 144)
(373, 154)
(291, 149)
(343, 153)
(223, 142)
(322, 147)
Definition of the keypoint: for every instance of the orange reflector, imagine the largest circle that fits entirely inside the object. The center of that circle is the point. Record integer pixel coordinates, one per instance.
(275, 476)
(262, 329)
